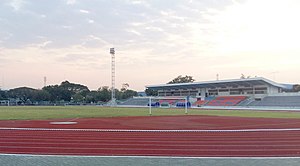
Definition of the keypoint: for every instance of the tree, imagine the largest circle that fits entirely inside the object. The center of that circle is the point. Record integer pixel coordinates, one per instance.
(128, 94)
(244, 77)
(78, 98)
(180, 79)
(74, 88)
(104, 93)
(57, 93)
(150, 92)
(66, 91)
(24, 94)
(41, 95)
(125, 86)
(296, 88)
(92, 97)
(3, 95)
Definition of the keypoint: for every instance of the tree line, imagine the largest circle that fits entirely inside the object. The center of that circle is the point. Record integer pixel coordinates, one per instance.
(65, 92)
(76, 93)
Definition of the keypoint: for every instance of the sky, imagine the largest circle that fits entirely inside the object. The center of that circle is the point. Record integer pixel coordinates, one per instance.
(155, 41)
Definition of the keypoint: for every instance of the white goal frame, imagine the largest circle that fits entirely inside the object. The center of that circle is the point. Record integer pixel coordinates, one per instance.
(6, 102)
(162, 98)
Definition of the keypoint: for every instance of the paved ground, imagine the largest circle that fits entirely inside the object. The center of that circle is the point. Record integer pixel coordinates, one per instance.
(38, 160)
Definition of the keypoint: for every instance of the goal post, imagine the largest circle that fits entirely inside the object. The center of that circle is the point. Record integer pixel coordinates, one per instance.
(4, 103)
(151, 98)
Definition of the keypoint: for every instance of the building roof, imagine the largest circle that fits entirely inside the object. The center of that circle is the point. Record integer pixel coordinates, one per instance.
(219, 84)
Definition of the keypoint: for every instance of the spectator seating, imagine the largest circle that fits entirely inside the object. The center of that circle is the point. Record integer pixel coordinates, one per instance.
(170, 101)
(200, 103)
(165, 104)
(136, 101)
(182, 104)
(154, 104)
(278, 101)
(226, 101)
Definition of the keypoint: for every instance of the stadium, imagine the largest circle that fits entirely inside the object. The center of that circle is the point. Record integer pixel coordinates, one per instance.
(246, 121)
(252, 93)
(224, 121)
(213, 122)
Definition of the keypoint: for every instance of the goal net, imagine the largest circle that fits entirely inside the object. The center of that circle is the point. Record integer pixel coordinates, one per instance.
(166, 102)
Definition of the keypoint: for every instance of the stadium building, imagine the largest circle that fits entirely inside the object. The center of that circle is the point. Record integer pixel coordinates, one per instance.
(256, 91)
(257, 88)
(248, 92)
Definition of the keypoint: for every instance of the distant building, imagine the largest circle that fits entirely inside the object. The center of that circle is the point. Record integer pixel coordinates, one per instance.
(257, 87)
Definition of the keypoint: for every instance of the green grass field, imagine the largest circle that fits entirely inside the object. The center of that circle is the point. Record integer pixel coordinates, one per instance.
(55, 112)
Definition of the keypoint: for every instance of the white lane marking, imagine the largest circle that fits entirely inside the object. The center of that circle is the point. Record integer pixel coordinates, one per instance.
(175, 131)
(63, 123)
(146, 157)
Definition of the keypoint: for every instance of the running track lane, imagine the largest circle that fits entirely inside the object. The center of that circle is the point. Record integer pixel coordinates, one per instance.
(212, 144)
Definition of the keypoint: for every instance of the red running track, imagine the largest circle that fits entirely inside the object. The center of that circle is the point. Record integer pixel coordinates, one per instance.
(212, 144)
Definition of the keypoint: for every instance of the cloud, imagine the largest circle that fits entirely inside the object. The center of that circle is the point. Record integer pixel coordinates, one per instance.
(17, 4)
(66, 27)
(71, 2)
(78, 57)
(91, 21)
(137, 23)
(84, 11)
(134, 32)
(44, 44)
(5, 35)
(94, 41)
(148, 36)
(136, 2)
(166, 13)
(43, 16)
(84, 60)
(154, 29)
(139, 2)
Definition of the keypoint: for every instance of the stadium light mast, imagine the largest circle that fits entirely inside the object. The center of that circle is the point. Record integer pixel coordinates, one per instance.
(113, 76)
(45, 81)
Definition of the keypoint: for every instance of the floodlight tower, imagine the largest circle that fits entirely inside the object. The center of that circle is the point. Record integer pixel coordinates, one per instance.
(45, 81)
(113, 76)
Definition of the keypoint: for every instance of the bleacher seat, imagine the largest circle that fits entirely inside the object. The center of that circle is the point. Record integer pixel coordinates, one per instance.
(154, 104)
(136, 102)
(170, 101)
(182, 104)
(226, 101)
(278, 101)
(199, 103)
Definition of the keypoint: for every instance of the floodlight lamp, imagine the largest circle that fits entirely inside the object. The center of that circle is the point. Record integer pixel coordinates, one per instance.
(112, 50)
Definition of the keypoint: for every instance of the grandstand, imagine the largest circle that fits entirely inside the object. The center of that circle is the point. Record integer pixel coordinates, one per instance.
(136, 102)
(250, 92)
(254, 92)
(226, 101)
(278, 101)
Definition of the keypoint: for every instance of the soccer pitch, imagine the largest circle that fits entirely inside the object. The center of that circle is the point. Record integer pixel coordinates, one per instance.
(64, 112)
